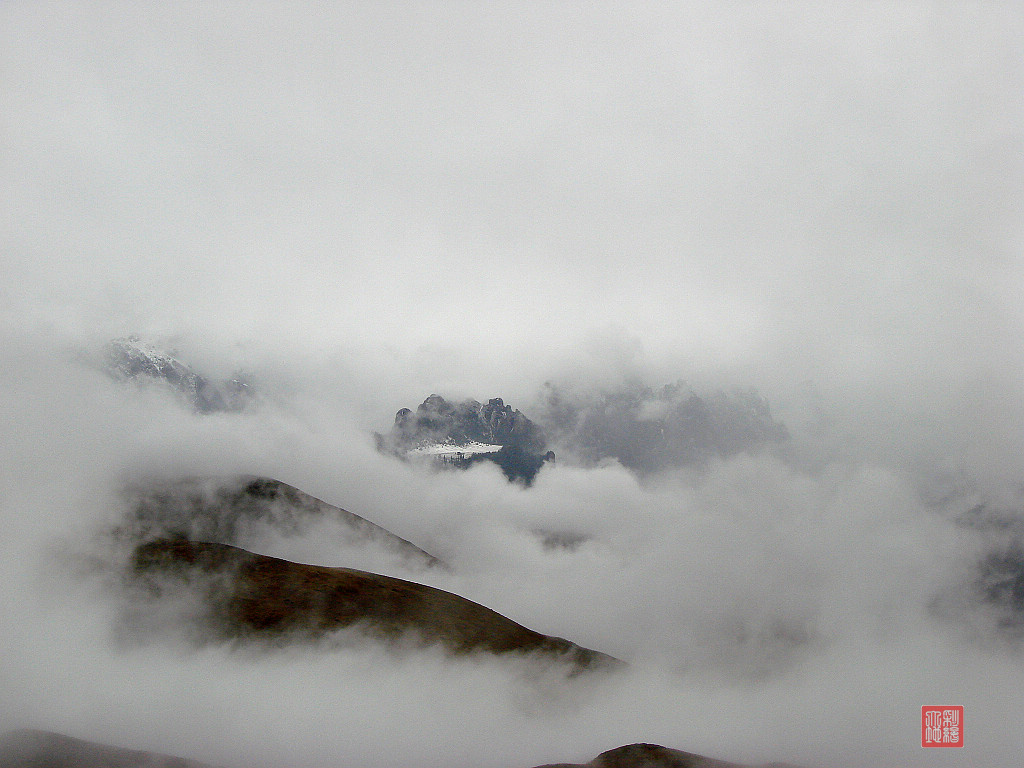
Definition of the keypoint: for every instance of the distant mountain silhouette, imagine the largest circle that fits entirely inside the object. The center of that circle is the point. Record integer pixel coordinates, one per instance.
(134, 359)
(993, 595)
(227, 509)
(649, 430)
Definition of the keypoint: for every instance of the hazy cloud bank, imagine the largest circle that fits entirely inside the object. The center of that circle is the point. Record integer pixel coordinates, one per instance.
(366, 206)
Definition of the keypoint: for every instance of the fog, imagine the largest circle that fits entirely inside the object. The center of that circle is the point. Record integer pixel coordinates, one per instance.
(361, 206)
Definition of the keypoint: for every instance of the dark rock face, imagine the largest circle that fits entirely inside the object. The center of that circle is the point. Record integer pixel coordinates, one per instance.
(131, 358)
(438, 421)
(649, 430)
(644, 429)
(250, 597)
(517, 464)
(43, 749)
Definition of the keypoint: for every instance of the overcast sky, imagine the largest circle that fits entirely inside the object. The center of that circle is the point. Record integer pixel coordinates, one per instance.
(368, 202)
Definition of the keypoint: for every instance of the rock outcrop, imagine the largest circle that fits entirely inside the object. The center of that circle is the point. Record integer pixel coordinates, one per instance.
(516, 444)
(437, 420)
(44, 749)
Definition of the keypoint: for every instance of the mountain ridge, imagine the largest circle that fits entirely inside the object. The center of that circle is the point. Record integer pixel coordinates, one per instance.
(131, 358)
(227, 508)
(247, 596)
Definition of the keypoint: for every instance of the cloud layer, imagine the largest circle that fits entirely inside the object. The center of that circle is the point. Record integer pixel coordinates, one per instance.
(362, 207)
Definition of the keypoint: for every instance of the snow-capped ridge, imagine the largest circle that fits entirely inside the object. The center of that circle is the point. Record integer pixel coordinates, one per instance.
(132, 358)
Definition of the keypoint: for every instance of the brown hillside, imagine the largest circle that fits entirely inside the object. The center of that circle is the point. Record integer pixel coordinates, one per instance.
(653, 756)
(44, 749)
(252, 596)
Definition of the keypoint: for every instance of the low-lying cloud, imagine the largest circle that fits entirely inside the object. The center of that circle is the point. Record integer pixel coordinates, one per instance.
(758, 602)
(361, 207)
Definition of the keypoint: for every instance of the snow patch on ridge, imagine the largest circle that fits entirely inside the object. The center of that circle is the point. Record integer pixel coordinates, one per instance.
(449, 449)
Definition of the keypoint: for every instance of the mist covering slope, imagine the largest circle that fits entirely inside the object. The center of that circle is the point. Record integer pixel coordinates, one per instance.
(734, 579)
(254, 597)
(366, 203)
(645, 429)
(45, 749)
(245, 510)
(186, 529)
(133, 359)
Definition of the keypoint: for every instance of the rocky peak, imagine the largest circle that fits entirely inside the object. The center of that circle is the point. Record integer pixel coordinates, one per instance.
(438, 423)
(437, 420)
(132, 358)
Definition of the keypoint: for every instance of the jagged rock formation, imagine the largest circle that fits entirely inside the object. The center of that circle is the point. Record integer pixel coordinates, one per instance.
(649, 430)
(234, 510)
(45, 749)
(132, 358)
(250, 597)
(436, 420)
(470, 425)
